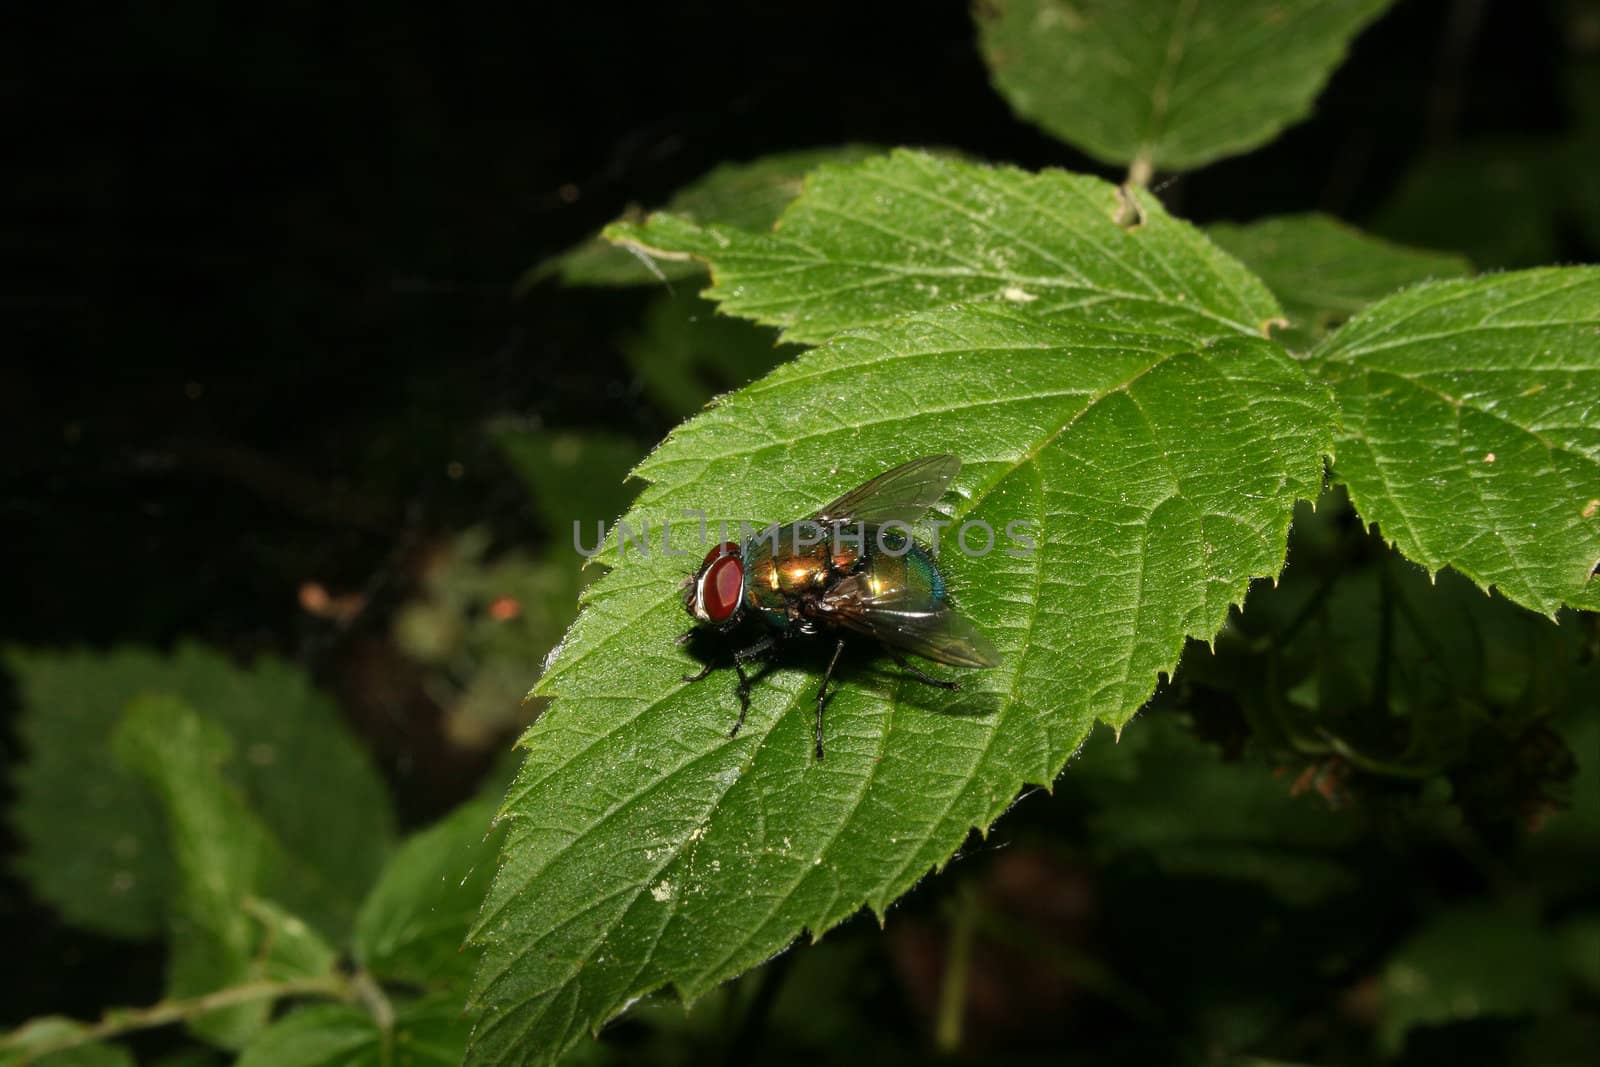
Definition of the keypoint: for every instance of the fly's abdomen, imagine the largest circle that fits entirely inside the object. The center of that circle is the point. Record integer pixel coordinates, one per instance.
(910, 577)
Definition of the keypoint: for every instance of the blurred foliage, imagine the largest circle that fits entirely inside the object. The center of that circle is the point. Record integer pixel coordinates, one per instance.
(1323, 271)
(93, 841)
(411, 924)
(1356, 661)
(1466, 964)
(749, 194)
(224, 930)
(20, 1043)
(1497, 202)
(481, 624)
(428, 1032)
(686, 351)
(573, 477)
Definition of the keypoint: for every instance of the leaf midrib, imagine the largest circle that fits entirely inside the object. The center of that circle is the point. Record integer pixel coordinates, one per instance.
(1171, 56)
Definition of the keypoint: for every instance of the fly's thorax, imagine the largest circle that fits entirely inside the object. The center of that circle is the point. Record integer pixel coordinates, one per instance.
(797, 559)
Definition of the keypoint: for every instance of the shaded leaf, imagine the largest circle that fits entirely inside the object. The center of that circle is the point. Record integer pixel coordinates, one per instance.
(1161, 792)
(1581, 950)
(222, 932)
(573, 476)
(94, 846)
(911, 232)
(1496, 202)
(1471, 428)
(1176, 83)
(425, 1033)
(1364, 680)
(1468, 964)
(750, 194)
(1337, 637)
(1323, 271)
(413, 926)
(645, 848)
(1565, 854)
(685, 352)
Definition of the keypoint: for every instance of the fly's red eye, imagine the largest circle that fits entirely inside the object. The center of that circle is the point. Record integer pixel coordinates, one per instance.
(727, 548)
(722, 588)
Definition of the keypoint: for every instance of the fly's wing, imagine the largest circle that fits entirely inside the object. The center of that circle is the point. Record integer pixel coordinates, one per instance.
(922, 626)
(900, 495)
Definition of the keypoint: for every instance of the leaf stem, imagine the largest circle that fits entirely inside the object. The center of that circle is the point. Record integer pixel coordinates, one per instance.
(118, 1021)
(1141, 170)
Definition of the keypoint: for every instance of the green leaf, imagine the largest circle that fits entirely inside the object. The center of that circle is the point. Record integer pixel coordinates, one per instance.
(912, 232)
(748, 194)
(223, 932)
(94, 846)
(1468, 964)
(685, 352)
(1172, 83)
(1564, 856)
(21, 1046)
(1470, 430)
(645, 848)
(425, 1033)
(413, 925)
(1323, 271)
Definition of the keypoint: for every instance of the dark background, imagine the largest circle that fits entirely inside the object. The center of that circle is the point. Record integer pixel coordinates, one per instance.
(260, 272)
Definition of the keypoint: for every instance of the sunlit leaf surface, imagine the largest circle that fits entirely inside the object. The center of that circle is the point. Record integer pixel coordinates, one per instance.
(912, 232)
(1471, 434)
(645, 848)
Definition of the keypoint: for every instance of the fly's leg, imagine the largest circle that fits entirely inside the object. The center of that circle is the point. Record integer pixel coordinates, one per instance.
(758, 650)
(704, 671)
(822, 693)
(918, 674)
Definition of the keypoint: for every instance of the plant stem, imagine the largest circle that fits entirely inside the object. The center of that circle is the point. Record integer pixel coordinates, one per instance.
(366, 992)
(958, 960)
(126, 1020)
(747, 1038)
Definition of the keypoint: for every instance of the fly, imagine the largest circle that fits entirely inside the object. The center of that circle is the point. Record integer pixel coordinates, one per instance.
(846, 571)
